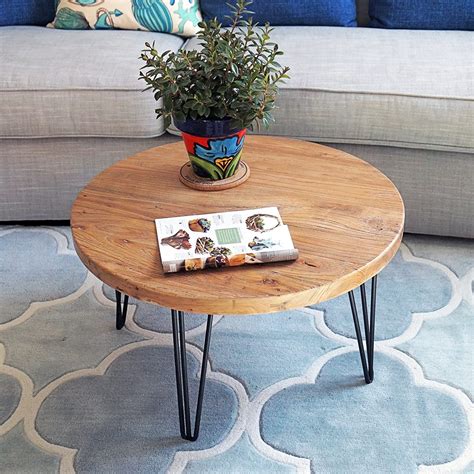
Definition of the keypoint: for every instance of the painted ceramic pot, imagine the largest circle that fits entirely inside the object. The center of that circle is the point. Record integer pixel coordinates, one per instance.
(214, 147)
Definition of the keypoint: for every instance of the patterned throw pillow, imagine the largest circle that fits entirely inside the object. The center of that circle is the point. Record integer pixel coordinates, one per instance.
(167, 16)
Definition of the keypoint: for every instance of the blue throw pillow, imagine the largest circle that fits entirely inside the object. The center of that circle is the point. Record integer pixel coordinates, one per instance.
(288, 12)
(422, 14)
(26, 12)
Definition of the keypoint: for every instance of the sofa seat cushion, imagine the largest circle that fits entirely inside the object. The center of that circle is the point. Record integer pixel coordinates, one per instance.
(56, 83)
(382, 87)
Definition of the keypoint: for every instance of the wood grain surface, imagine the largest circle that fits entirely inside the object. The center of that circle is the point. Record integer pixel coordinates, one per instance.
(345, 217)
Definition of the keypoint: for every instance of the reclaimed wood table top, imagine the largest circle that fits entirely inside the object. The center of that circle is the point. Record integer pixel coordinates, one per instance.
(345, 217)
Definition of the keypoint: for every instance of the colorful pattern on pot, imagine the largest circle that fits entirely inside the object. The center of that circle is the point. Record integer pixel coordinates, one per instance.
(215, 157)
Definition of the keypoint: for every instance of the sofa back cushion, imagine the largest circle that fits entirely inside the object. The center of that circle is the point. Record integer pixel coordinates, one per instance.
(288, 12)
(422, 14)
(164, 16)
(26, 12)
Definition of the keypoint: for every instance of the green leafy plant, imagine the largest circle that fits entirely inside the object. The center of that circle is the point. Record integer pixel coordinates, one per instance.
(234, 75)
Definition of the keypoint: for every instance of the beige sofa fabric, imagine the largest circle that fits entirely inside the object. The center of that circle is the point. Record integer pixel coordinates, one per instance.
(411, 89)
(402, 100)
(57, 83)
(40, 178)
(437, 186)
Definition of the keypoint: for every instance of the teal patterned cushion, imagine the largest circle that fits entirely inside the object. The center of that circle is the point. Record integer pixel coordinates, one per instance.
(167, 16)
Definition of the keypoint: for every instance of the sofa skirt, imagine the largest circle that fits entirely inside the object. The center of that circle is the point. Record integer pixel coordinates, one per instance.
(437, 186)
(40, 178)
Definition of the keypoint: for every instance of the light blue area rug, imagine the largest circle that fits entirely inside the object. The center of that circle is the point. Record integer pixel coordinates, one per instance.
(285, 392)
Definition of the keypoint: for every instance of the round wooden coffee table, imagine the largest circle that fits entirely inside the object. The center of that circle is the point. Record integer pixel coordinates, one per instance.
(345, 217)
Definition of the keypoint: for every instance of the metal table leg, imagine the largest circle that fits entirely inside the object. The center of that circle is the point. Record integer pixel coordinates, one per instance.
(180, 359)
(121, 312)
(181, 368)
(369, 327)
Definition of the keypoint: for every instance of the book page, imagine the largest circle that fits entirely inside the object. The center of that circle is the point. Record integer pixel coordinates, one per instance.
(223, 239)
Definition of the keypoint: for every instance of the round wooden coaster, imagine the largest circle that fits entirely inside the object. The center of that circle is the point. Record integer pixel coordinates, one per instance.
(191, 180)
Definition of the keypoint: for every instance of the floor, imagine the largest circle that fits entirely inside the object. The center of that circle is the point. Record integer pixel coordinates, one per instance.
(285, 392)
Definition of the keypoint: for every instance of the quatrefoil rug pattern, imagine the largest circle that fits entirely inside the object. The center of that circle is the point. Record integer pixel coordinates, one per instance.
(285, 392)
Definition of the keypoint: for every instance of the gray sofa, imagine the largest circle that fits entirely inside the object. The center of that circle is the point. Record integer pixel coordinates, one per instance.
(71, 105)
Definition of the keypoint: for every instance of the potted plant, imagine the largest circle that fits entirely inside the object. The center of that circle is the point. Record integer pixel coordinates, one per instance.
(215, 93)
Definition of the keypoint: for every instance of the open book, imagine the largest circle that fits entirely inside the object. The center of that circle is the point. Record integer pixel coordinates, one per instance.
(224, 239)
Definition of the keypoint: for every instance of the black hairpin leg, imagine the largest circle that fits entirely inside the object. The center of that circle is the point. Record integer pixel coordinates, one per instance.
(369, 327)
(181, 367)
(121, 312)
